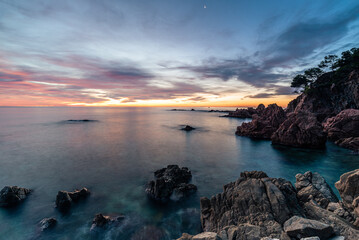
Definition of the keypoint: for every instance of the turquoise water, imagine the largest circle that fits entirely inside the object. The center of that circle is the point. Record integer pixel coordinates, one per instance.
(115, 156)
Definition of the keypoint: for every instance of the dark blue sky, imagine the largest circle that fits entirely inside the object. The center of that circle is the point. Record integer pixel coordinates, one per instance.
(169, 52)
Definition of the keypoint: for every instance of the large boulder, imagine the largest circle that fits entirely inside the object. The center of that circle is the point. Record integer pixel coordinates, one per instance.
(343, 125)
(328, 96)
(64, 199)
(300, 129)
(12, 195)
(298, 227)
(253, 200)
(169, 180)
(312, 186)
(263, 125)
(348, 187)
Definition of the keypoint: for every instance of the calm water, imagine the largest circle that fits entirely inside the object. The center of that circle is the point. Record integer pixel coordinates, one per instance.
(117, 155)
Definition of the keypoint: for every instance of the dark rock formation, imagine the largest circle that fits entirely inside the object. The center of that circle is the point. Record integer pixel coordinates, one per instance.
(101, 221)
(350, 143)
(263, 125)
(298, 227)
(80, 120)
(47, 223)
(343, 125)
(168, 181)
(313, 187)
(328, 97)
(64, 199)
(254, 202)
(188, 128)
(12, 195)
(300, 129)
(246, 112)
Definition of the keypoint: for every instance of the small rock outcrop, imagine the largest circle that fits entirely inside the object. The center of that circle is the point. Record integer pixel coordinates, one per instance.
(188, 128)
(254, 203)
(298, 227)
(300, 129)
(168, 181)
(263, 125)
(11, 196)
(47, 223)
(246, 112)
(101, 222)
(343, 125)
(64, 199)
(313, 187)
(350, 143)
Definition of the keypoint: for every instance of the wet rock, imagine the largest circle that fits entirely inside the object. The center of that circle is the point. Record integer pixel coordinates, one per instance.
(12, 195)
(170, 179)
(300, 129)
(343, 125)
(263, 125)
(188, 128)
(64, 199)
(312, 186)
(350, 143)
(47, 223)
(299, 227)
(254, 203)
(183, 190)
(101, 221)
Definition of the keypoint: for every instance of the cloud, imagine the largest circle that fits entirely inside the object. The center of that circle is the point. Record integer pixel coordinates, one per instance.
(277, 91)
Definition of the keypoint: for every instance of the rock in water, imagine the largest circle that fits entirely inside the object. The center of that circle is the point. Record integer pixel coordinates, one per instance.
(312, 186)
(47, 223)
(298, 227)
(12, 195)
(64, 199)
(343, 125)
(101, 221)
(254, 203)
(350, 143)
(301, 129)
(263, 125)
(188, 128)
(168, 181)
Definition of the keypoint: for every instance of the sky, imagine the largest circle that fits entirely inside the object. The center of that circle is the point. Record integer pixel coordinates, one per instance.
(165, 52)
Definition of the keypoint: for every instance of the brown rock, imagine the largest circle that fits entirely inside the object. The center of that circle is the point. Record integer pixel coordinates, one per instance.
(343, 125)
(348, 187)
(350, 143)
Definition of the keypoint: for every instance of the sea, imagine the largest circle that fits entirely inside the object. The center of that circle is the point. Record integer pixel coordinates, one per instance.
(116, 153)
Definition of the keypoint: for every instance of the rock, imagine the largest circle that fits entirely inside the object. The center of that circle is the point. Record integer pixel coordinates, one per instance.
(312, 186)
(343, 125)
(300, 129)
(206, 236)
(298, 227)
(64, 199)
(350, 143)
(263, 125)
(188, 128)
(348, 187)
(311, 238)
(327, 99)
(170, 179)
(246, 112)
(101, 221)
(12, 195)
(47, 223)
(253, 200)
(184, 190)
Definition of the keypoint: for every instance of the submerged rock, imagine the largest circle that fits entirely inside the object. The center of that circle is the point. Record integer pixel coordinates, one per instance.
(47, 223)
(298, 227)
(12, 195)
(188, 128)
(263, 125)
(300, 129)
(101, 221)
(64, 199)
(168, 181)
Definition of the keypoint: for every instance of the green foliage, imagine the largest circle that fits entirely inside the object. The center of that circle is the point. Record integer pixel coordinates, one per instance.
(340, 67)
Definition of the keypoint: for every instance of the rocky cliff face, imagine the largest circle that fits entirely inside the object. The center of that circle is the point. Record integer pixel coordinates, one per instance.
(257, 207)
(327, 99)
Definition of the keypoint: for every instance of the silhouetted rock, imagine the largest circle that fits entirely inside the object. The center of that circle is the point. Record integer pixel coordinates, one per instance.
(12, 195)
(300, 129)
(169, 180)
(246, 112)
(327, 99)
(313, 187)
(47, 223)
(64, 199)
(263, 125)
(80, 120)
(299, 227)
(188, 128)
(101, 222)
